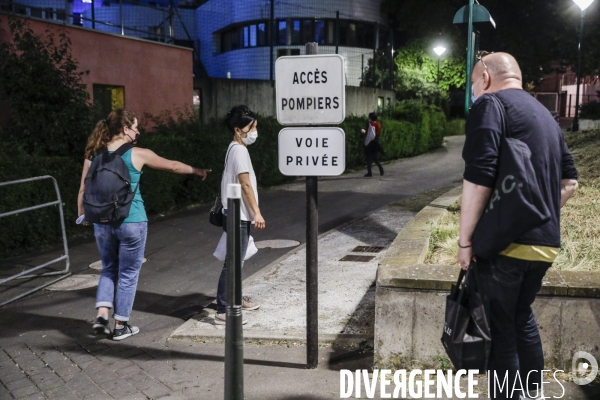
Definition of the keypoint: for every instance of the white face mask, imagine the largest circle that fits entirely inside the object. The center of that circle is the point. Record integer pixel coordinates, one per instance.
(473, 96)
(251, 138)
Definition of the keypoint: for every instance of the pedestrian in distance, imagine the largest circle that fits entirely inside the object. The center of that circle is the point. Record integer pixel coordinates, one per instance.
(372, 145)
(242, 123)
(121, 243)
(512, 278)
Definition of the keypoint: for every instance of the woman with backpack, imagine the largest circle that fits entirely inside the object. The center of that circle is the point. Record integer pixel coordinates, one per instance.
(122, 242)
(242, 123)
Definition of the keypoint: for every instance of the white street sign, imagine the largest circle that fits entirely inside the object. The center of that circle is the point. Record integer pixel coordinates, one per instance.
(312, 151)
(310, 90)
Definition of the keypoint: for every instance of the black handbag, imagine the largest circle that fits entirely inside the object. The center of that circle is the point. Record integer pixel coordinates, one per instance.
(467, 335)
(215, 217)
(216, 213)
(516, 205)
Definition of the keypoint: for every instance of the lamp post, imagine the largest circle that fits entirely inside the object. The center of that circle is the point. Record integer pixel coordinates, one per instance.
(583, 4)
(439, 50)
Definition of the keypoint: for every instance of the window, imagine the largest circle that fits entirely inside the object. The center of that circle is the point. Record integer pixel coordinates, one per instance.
(36, 12)
(282, 32)
(230, 40)
(296, 31)
(380, 104)
(320, 32)
(308, 34)
(108, 98)
(261, 35)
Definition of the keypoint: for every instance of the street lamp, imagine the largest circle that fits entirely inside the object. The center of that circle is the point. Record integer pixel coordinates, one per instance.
(583, 4)
(439, 50)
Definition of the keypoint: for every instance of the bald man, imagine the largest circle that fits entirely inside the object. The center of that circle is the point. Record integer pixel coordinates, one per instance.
(512, 279)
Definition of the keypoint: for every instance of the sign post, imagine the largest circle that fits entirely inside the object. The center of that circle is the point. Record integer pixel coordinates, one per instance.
(310, 90)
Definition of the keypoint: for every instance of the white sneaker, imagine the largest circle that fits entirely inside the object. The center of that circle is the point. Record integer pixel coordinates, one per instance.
(221, 319)
(247, 305)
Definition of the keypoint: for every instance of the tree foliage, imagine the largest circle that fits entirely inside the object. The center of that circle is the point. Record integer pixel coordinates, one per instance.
(49, 112)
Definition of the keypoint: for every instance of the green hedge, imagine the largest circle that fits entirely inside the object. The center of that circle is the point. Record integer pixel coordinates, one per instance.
(182, 137)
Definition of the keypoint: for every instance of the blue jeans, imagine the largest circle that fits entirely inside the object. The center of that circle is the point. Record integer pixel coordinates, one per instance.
(122, 251)
(222, 287)
(511, 286)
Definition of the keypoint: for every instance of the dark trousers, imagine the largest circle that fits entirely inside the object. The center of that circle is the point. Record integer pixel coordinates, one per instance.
(222, 287)
(511, 286)
(371, 156)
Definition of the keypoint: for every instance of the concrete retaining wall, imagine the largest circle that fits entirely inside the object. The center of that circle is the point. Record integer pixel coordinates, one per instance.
(219, 95)
(410, 301)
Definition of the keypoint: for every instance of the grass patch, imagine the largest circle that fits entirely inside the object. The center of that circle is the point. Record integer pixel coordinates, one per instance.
(580, 217)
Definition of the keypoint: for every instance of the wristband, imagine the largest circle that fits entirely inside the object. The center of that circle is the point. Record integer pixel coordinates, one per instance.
(463, 247)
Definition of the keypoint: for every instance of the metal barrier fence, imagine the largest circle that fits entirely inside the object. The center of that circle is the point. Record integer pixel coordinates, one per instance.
(65, 256)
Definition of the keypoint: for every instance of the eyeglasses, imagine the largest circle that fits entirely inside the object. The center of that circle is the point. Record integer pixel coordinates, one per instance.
(482, 53)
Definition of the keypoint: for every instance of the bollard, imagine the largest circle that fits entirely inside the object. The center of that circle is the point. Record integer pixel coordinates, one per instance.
(234, 339)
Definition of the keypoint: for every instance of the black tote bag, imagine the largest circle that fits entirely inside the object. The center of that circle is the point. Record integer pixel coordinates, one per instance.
(516, 205)
(466, 336)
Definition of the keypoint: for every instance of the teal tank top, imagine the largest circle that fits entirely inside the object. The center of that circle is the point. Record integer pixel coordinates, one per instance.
(137, 212)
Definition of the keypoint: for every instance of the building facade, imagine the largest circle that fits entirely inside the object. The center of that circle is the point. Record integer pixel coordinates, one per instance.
(235, 37)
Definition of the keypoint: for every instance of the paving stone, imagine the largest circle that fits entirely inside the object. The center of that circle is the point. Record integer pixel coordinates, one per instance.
(82, 358)
(83, 386)
(134, 351)
(119, 388)
(61, 393)
(14, 385)
(4, 394)
(157, 391)
(16, 375)
(99, 396)
(67, 370)
(60, 363)
(142, 357)
(17, 350)
(96, 347)
(24, 391)
(94, 366)
(142, 381)
(137, 396)
(128, 371)
(67, 347)
(35, 396)
(103, 376)
(50, 355)
(38, 370)
(47, 381)
(24, 358)
(28, 363)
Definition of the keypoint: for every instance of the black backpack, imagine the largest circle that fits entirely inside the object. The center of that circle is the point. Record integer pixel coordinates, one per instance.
(107, 197)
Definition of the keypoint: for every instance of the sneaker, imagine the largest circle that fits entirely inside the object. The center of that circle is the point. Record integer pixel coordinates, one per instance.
(101, 326)
(124, 332)
(221, 319)
(381, 171)
(367, 175)
(247, 305)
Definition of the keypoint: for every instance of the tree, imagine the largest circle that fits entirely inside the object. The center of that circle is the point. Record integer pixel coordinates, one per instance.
(49, 113)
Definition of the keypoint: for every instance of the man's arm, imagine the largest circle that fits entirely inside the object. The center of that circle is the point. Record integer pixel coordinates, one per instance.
(567, 188)
(473, 203)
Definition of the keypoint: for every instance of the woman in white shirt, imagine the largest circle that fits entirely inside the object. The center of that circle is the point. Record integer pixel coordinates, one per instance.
(238, 169)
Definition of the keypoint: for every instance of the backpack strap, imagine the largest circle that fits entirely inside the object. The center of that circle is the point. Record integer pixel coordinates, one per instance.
(124, 148)
(498, 102)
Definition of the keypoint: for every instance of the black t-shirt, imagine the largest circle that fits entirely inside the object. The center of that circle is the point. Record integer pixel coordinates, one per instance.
(530, 122)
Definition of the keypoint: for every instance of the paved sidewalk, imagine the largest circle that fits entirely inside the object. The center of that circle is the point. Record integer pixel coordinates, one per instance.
(346, 288)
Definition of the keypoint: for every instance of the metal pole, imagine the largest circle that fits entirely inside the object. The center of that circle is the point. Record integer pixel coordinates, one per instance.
(171, 34)
(93, 15)
(271, 38)
(575, 127)
(438, 74)
(337, 31)
(469, 59)
(312, 260)
(375, 44)
(121, 16)
(234, 339)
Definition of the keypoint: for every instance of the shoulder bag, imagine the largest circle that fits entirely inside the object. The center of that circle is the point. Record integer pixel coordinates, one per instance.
(516, 205)
(215, 217)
